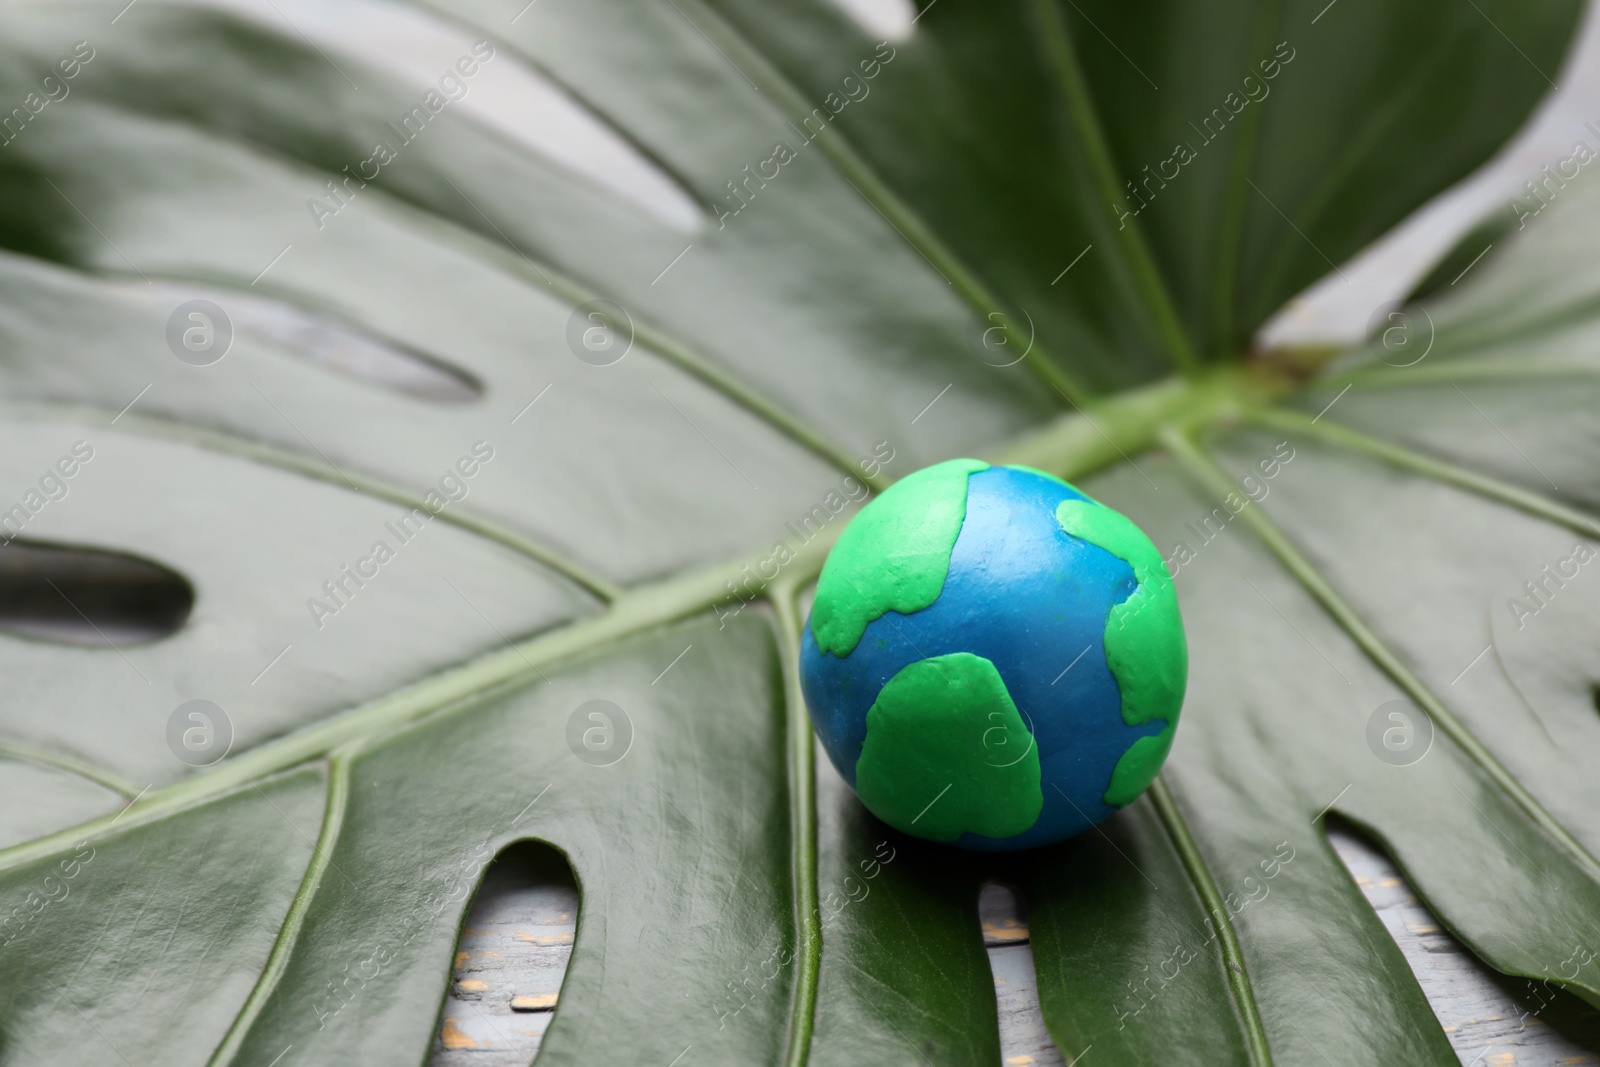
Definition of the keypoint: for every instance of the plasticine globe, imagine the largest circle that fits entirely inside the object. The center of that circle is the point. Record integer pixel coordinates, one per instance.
(993, 659)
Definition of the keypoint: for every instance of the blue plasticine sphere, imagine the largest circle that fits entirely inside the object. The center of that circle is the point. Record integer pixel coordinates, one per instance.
(993, 659)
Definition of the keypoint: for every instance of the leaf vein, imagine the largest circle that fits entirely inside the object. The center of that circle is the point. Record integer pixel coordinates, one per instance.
(1227, 937)
(1204, 470)
(294, 921)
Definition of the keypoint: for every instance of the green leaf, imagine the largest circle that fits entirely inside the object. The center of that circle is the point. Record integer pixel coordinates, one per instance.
(939, 266)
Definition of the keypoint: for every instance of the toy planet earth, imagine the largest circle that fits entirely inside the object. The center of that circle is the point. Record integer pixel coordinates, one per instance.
(993, 659)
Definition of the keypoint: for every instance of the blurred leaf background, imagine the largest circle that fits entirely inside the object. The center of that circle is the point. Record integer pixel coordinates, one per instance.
(600, 318)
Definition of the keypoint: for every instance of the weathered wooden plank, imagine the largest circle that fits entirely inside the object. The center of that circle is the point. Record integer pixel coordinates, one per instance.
(518, 938)
(1024, 1041)
(1492, 1020)
(509, 964)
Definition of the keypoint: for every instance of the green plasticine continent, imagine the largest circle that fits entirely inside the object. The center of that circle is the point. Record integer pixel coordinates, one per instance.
(1144, 641)
(894, 555)
(947, 753)
(1138, 766)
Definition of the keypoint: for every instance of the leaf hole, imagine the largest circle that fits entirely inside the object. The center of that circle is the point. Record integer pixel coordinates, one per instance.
(77, 595)
(31, 224)
(511, 957)
(889, 20)
(1477, 1005)
(329, 342)
(504, 95)
(1003, 913)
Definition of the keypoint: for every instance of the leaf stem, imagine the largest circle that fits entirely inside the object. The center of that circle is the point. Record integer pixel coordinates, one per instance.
(1074, 445)
(1115, 429)
(803, 827)
(470, 682)
(1232, 955)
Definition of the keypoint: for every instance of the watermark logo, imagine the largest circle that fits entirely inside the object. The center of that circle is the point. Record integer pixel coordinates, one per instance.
(744, 187)
(1399, 733)
(452, 86)
(1253, 89)
(199, 733)
(1001, 337)
(600, 332)
(599, 732)
(199, 332)
(1544, 587)
(1399, 334)
(1000, 741)
(51, 90)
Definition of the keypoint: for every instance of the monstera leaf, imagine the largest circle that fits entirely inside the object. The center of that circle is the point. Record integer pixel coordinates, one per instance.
(505, 424)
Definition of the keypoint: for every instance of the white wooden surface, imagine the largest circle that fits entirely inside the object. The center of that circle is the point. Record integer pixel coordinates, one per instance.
(1024, 1042)
(519, 933)
(1493, 1021)
(509, 964)
(518, 938)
